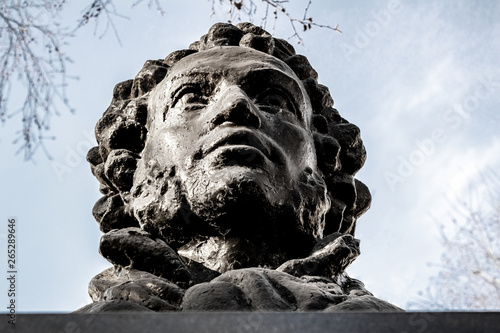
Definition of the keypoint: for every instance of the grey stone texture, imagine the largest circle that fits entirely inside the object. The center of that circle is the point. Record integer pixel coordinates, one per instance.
(259, 322)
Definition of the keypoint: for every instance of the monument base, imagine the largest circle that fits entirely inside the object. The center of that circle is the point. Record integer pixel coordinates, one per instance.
(257, 322)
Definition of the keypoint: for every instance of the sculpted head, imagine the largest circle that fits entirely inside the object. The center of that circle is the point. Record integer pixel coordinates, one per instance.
(232, 138)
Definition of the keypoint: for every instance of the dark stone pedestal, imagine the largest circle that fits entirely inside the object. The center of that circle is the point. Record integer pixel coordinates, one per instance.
(288, 322)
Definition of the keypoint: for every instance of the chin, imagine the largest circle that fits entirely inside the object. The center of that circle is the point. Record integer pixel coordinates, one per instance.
(236, 201)
(235, 180)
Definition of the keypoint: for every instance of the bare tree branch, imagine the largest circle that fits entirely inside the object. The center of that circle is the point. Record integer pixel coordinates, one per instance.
(156, 3)
(469, 276)
(94, 13)
(31, 49)
(249, 9)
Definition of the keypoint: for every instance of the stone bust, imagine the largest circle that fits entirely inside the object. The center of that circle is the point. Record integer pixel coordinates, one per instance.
(228, 183)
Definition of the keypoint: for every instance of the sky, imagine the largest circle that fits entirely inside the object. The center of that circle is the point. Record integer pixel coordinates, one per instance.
(420, 79)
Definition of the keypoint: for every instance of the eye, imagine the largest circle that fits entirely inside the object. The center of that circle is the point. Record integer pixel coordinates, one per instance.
(276, 101)
(190, 98)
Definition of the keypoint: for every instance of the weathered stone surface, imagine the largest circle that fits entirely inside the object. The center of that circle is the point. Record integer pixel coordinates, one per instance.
(137, 292)
(283, 49)
(353, 154)
(115, 131)
(109, 211)
(94, 157)
(329, 259)
(363, 303)
(301, 67)
(135, 249)
(258, 289)
(273, 290)
(258, 322)
(248, 27)
(223, 34)
(111, 283)
(120, 167)
(151, 73)
(328, 150)
(228, 182)
(175, 56)
(319, 94)
(261, 43)
(363, 198)
(122, 89)
(215, 296)
(112, 306)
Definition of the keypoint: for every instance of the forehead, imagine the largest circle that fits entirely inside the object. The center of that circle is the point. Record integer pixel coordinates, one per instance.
(231, 62)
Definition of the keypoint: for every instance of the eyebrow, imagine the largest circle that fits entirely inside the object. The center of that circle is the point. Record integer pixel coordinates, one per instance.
(273, 77)
(193, 78)
(264, 74)
(271, 72)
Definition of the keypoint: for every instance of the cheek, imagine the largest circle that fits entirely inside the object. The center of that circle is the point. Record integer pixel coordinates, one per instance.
(178, 137)
(296, 141)
(176, 146)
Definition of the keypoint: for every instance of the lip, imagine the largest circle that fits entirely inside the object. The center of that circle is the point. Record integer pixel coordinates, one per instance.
(236, 137)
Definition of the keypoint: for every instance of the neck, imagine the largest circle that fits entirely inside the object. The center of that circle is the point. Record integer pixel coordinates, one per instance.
(223, 254)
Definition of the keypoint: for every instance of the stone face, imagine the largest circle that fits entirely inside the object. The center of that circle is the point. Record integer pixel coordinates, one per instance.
(228, 183)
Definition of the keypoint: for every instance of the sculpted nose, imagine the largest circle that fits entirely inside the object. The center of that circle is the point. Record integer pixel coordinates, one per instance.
(236, 108)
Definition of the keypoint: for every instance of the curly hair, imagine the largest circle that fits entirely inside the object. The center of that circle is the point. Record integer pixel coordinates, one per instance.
(121, 132)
